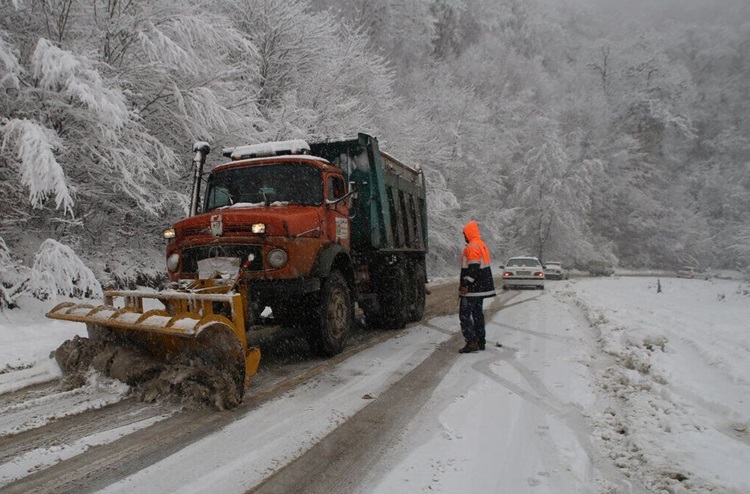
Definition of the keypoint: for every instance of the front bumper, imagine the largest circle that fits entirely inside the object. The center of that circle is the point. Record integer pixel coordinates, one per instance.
(281, 288)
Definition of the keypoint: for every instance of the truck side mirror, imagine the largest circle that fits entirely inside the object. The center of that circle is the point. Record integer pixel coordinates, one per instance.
(353, 193)
(350, 197)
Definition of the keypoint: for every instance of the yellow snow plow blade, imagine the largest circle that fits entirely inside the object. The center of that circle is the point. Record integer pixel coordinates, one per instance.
(199, 324)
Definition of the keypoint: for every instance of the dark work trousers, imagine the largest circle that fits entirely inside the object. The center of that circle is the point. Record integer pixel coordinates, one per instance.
(471, 315)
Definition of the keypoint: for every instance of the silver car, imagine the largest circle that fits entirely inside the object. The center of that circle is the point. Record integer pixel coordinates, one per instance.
(555, 271)
(523, 272)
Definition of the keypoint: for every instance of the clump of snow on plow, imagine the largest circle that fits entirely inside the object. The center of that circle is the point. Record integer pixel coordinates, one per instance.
(151, 379)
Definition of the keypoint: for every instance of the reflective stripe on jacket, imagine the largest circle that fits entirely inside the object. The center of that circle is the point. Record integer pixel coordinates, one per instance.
(476, 273)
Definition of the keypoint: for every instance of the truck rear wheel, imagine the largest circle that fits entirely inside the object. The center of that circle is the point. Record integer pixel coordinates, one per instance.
(419, 297)
(335, 311)
(394, 300)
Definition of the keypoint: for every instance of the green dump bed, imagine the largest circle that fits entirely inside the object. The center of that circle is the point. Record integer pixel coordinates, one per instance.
(390, 211)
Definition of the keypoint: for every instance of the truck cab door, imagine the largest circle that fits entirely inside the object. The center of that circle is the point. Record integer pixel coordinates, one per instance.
(337, 211)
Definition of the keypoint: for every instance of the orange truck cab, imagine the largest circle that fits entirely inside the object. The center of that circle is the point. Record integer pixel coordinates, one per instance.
(309, 230)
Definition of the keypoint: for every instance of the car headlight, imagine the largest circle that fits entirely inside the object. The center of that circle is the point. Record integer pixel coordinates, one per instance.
(169, 234)
(277, 258)
(258, 228)
(173, 262)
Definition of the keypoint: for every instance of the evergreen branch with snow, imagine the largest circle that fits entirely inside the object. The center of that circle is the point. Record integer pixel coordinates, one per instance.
(35, 147)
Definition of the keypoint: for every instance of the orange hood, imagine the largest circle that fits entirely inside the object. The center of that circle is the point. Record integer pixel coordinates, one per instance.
(471, 231)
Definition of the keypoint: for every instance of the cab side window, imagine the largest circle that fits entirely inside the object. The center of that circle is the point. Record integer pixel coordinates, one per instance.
(336, 188)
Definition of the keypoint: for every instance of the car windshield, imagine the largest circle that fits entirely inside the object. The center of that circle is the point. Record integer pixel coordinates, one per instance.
(296, 183)
(529, 263)
(553, 264)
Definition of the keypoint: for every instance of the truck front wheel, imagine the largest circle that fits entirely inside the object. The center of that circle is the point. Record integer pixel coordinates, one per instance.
(329, 336)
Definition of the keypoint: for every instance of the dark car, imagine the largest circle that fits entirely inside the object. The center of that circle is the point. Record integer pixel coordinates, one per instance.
(600, 268)
(691, 273)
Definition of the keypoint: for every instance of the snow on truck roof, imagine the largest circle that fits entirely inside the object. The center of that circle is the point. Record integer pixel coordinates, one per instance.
(296, 146)
(241, 162)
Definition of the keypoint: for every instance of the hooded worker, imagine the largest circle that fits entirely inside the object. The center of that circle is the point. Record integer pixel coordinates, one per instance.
(476, 284)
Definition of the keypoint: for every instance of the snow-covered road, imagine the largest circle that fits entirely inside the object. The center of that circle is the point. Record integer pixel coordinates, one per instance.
(600, 386)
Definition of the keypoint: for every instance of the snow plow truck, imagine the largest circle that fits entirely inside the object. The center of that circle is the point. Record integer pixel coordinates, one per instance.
(307, 229)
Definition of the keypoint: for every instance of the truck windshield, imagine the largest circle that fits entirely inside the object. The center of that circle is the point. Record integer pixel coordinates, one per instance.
(296, 183)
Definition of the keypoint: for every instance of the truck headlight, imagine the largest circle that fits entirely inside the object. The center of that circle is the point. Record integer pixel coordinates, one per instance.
(173, 262)
(258, 228)
(169, 234)
(277, 258)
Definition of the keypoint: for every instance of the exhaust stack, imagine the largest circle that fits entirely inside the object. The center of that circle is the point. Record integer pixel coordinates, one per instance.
(201, 149)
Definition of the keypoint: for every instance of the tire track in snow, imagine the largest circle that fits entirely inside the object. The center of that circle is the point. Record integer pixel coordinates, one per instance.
(337, 463)
(541, 397)
(67, 429)
(39, 405)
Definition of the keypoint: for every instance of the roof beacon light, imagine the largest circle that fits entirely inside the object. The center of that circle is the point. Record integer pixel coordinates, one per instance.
(278, 148)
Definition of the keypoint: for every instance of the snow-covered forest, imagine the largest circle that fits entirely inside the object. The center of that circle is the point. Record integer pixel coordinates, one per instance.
(570, 130)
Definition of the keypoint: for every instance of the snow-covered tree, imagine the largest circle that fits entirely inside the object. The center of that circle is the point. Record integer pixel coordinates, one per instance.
(105, 93)
(403, 31)
(509, 105)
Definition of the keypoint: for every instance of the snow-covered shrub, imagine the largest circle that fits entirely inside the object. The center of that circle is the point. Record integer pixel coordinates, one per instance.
(130, 269)
(57, 270)
(13, 278)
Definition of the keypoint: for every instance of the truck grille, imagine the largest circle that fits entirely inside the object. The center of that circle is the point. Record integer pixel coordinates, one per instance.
(190, 257)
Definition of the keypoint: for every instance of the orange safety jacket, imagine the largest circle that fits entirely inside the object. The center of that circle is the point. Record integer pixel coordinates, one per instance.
(476, 273)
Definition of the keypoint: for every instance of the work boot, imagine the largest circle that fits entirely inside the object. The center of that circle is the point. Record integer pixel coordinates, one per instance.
(470, 347)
